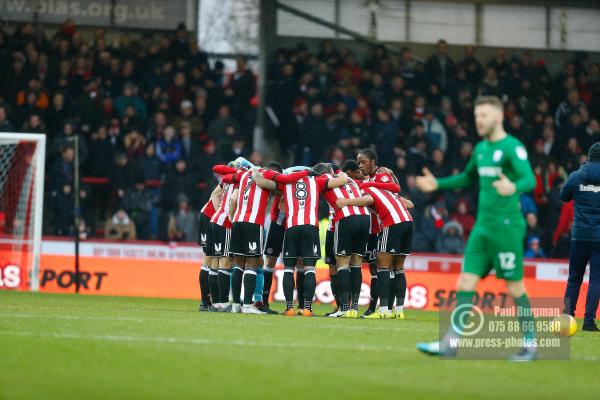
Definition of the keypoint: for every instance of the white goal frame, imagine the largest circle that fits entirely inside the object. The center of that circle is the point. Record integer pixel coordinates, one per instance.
(39, 160)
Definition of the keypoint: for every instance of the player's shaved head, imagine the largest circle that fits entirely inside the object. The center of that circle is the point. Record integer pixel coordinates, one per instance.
(489, 113)
(322, 168)
(275, 166)
(351, 168)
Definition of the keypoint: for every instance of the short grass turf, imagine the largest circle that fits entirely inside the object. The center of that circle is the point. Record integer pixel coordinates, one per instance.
(67, 346)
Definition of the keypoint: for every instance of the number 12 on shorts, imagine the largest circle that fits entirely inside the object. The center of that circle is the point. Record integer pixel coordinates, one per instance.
(507, 260)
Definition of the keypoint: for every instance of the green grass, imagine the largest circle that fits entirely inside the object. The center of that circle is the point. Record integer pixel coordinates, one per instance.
(66, 346)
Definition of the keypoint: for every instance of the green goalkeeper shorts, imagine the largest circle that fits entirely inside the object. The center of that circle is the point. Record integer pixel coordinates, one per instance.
(498, 245)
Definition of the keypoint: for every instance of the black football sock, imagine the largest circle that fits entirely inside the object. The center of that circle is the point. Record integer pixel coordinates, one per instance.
(335, 291)
(236, 284)
(268, 275)
(374, 293)
(310, 284)
(224, 280)
(300, 288)
(383, 287)
(400, 288)
(343, 281)
(355, 284)
(249, 286)
(213, 286)
(392, 291)
(204, 287)
(288, 288)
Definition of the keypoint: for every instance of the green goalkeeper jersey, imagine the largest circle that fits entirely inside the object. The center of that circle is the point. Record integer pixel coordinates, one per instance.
(489, 159)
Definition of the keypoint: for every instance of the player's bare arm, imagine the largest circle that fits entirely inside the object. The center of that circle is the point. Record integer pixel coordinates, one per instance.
(337, 181)
(233, 204)
(362, 201)
(215, 196)
(261, 181)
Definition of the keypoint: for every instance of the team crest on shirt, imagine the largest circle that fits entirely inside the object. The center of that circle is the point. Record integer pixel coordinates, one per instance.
(497, 155)
(521, 153)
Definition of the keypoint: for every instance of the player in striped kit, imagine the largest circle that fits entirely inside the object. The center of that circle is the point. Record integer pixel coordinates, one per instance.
(250, 202)
(301, 239)
(351, 234)
(394, 244)
(206, 213)
(221, 236)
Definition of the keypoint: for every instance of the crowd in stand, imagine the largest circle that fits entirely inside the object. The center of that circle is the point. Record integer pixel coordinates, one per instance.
(152, 117)
(420, 114)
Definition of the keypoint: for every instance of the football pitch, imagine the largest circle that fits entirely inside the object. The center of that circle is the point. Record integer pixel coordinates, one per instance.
(66, 346)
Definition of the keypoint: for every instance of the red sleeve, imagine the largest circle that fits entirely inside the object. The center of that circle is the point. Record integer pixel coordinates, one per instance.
(289, 178)
(229, 178)
(383, 178)
(223, 169)
(321, 183)
(391, 186)
(564, 222)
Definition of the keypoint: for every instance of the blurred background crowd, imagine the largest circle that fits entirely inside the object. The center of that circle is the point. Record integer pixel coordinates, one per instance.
(152, 116)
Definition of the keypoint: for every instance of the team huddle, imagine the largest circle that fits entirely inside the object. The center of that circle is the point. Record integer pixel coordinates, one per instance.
(368, 222)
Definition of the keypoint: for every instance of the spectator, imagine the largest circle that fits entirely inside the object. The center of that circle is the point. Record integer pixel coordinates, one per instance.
(139, 203)
(120, 227)
(440, 67)
(179, 181)
(183, 224)
(5, 125)
(534, 249)
(451, 240)
(464, 218)
(168, 149)
(130, 98)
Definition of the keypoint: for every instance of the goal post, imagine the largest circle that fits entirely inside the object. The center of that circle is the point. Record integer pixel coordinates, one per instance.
(22, 160)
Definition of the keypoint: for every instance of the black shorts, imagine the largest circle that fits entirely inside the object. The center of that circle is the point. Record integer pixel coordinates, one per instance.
(371, 254)
(351, 235)
(329, 255)
(274, 242)
(246, 239)
(396, 239)
(221, 241)
(202, 229)
(302, 241)
(209, 248)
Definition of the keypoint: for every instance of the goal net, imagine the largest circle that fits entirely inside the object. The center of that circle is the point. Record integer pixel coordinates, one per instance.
(22, 159)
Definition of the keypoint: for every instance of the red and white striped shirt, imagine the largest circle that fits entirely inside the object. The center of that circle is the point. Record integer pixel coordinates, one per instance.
(208, 209)
(251, 202)
(377, 177)
(348, 191)
(302, 200)
(277, 216)
(221, 216)
(389, 208)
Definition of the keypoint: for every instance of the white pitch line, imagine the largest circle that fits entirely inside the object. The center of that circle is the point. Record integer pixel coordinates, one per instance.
(234, 342)
(365, 325)
(201, 341)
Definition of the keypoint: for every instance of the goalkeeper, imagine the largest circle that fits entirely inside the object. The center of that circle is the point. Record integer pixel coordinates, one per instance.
(500, 163)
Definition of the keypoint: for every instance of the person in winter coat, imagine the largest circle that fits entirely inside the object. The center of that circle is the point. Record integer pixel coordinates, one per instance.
(583, 187)
(451, 240)
(534, 250)
(120, 227)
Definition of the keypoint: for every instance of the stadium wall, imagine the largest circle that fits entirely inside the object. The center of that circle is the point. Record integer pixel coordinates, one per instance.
(157, 269)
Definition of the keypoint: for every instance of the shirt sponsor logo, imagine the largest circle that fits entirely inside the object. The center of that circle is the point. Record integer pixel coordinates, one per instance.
(489, 171)
(589, 188)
